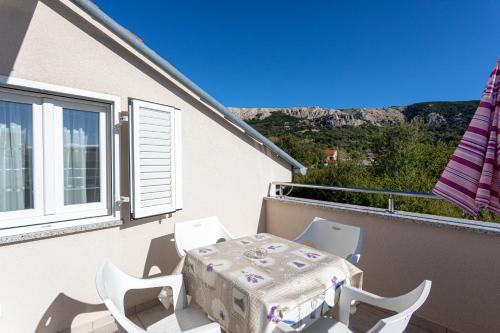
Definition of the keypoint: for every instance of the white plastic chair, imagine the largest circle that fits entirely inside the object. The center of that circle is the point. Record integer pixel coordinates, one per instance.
(342, 240)
(196, 233)
(404, 305)
(112, 284)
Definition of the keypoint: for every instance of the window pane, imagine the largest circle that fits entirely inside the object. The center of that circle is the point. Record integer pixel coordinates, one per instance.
(81, 157)
(16, 156)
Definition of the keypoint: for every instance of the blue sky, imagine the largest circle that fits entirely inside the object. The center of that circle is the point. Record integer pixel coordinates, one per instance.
(348, 53)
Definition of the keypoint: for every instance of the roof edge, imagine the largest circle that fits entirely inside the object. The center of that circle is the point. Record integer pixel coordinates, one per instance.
(93, 10)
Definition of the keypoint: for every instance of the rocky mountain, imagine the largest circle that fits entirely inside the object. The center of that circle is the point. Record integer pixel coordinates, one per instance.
(454, 114)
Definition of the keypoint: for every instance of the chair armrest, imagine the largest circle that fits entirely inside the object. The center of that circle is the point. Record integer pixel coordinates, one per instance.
(348, 295)
(208, 328)
(175, 281)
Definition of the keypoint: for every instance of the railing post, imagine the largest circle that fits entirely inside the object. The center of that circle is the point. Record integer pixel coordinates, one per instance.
(275, 190)
(280, 190)
(390, 207)
(272, 190)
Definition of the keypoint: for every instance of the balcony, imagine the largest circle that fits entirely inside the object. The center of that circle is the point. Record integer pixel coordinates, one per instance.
(401, 249)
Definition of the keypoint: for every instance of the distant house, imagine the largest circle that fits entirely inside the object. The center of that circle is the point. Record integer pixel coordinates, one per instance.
(331, 156)
(370, 158)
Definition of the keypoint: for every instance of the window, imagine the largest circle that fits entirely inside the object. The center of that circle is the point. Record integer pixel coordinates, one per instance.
(156, 172)
(16, 156)
(81, 157)
(54, 159)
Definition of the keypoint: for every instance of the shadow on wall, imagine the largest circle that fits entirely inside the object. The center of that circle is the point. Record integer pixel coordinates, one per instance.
(161, 260)
(261, 227)
(15, 18)
(61, 313)
(162, 257)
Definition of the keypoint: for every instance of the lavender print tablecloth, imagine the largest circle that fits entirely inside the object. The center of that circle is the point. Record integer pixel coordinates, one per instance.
(246, 295)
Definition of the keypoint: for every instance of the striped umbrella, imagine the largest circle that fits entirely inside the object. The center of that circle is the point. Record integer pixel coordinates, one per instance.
(471, 179)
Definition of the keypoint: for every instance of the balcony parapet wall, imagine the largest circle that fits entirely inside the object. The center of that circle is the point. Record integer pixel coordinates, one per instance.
(401, 249)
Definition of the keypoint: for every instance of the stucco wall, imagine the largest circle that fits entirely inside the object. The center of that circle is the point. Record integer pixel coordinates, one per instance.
(398, 255)
(48, 285)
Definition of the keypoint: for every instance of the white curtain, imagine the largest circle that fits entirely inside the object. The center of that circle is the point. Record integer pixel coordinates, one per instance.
(81, 157)
(74, 165)
(16, 190)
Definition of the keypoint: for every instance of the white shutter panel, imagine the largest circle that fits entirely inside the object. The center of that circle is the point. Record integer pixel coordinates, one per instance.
(155, 159)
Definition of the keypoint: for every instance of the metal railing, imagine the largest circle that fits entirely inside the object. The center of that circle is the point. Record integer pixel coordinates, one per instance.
(277, 189)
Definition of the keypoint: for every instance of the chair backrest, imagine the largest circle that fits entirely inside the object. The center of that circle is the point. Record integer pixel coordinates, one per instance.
(339, 239)
(192, 234)
(405, 305)
(112, 284)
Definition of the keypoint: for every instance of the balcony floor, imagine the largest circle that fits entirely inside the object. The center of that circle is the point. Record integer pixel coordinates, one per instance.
(362, 321)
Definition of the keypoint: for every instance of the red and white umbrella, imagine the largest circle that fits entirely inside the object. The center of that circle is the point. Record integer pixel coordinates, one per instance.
(471, 179)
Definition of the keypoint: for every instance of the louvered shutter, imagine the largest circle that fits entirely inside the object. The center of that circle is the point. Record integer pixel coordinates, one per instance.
(155, 159)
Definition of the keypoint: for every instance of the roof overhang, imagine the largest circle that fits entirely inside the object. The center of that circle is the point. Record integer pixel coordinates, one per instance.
(97, 14)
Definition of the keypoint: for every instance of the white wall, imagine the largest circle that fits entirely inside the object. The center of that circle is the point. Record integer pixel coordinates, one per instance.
(48, 285)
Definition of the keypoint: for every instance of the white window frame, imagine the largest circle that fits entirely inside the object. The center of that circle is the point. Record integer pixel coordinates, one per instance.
(88, 209)
(37, 172)
(45, 211)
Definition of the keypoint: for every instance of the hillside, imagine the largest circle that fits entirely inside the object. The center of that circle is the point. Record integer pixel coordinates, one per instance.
(400, 148)
(450, 115)
(454, 114)
(353, 130)
(329, 117)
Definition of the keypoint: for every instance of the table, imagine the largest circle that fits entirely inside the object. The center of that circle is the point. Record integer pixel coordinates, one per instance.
(290, 283)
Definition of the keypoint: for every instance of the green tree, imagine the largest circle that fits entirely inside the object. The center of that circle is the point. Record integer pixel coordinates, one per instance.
(307, 155)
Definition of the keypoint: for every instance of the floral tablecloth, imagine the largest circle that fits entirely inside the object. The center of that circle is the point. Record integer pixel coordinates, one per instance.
(290, 283)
